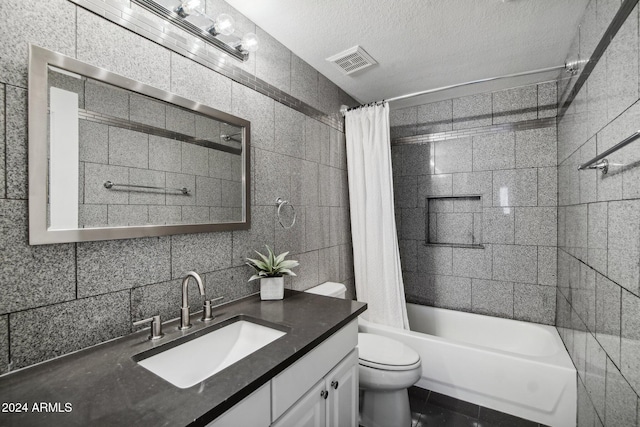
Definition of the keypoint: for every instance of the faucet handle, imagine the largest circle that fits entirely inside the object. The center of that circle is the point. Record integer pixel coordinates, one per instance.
(156, 326)
(206, 309)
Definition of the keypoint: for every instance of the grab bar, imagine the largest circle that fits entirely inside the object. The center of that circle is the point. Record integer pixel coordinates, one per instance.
(604, 164)
(110, 185)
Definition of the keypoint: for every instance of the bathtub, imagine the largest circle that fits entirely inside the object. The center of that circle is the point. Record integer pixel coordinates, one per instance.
(515, 367)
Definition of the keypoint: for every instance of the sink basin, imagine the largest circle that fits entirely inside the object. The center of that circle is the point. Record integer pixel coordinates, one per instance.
(191, 362)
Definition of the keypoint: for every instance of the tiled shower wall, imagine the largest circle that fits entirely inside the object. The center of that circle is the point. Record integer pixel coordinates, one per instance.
(60, 298)
(501, 147)
(598, 299)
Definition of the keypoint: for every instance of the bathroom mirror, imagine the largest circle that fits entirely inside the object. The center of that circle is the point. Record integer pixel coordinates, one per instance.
(113, 158)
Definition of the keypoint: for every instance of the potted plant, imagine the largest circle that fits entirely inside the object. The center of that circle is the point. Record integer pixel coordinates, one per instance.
(271, 269)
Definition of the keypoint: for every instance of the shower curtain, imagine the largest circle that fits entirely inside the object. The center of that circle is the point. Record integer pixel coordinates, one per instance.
(376, 257)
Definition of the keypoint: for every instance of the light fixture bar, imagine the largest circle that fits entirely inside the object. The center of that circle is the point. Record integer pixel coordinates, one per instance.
(175, 19)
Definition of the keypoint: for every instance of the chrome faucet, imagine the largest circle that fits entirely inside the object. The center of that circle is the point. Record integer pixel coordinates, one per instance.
(184, 310)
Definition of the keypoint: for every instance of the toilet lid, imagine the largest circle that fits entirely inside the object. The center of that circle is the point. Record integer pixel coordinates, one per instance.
(381, 352)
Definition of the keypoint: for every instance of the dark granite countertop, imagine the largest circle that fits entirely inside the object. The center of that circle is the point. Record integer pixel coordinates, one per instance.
(102, 385)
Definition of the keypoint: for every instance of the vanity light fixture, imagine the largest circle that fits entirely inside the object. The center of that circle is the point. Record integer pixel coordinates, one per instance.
(224, 24)
(187, 8)
(219, 32)
(249, 43)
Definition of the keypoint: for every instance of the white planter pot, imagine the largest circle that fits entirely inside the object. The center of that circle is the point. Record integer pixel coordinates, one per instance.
(271, 288)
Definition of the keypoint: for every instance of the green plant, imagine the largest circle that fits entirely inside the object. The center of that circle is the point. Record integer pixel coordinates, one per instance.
(271, 265)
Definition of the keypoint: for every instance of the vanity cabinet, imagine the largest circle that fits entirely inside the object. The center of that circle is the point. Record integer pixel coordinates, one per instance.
(327, 380)
(332, 402)
(254, 410)
(309, 411)
(320, 389)
(342, 386)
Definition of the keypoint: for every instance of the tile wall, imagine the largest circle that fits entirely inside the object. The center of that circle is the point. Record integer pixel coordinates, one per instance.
(501, 256)
(78, 295)
(598, 299)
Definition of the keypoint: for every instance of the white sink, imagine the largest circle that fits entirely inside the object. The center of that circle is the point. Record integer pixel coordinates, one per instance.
(189, 363)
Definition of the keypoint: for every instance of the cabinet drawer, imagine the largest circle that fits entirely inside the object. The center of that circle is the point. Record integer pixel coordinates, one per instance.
(295, 381)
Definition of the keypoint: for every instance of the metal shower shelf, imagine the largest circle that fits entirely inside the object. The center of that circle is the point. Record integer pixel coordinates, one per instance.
(602, 163)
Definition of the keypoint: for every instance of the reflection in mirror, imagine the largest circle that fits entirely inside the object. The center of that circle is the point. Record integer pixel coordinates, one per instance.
(139, 161)
(120, 158)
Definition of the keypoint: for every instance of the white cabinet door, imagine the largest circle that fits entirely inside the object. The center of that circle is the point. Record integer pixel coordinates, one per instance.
(342, 384)
(310, 411)
(254, 410)
(289, 385)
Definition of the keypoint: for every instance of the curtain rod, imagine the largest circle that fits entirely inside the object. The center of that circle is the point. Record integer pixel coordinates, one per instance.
(571, 68)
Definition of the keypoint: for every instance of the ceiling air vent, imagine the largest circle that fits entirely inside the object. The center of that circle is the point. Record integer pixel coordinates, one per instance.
(352, 60)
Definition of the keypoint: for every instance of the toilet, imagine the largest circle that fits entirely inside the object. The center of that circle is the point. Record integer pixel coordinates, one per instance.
(386, 368)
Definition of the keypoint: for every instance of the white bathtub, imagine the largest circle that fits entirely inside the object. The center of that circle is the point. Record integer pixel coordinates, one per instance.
(515, 367)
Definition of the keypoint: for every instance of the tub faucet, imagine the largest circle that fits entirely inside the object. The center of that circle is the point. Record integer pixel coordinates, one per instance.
(184, 310)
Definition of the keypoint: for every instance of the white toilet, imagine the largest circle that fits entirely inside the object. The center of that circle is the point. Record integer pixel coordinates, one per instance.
(386, 369)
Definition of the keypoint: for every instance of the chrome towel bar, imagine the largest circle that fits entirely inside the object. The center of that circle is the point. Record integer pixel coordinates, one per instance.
(603, 165)
(109, 185)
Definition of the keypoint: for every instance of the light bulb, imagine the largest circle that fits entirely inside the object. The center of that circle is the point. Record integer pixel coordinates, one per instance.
(187, 8)
(223, 24)
(249, 43)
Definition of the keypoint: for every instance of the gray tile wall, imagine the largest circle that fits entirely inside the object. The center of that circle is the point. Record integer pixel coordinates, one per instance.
(456, 220)
(513, 171)
(506, 106)
(274, 72)
(598, 298)
(293, 156)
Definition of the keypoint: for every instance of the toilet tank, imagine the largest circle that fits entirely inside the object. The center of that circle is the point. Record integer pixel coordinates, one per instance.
(329, 289)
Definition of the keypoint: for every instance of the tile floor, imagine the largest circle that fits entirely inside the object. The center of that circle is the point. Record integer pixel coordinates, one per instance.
(430, 409)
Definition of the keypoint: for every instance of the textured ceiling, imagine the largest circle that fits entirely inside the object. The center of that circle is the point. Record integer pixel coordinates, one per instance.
(423, 44)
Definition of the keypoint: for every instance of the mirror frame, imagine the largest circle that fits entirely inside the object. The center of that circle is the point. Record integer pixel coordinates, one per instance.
(39, 233)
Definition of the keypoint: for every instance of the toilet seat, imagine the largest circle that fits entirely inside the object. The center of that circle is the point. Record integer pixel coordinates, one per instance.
(379, 352)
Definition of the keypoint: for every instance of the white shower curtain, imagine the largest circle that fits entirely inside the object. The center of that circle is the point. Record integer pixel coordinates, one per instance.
(376, 257)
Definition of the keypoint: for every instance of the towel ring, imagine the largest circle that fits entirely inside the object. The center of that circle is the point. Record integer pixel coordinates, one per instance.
(280, 202)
